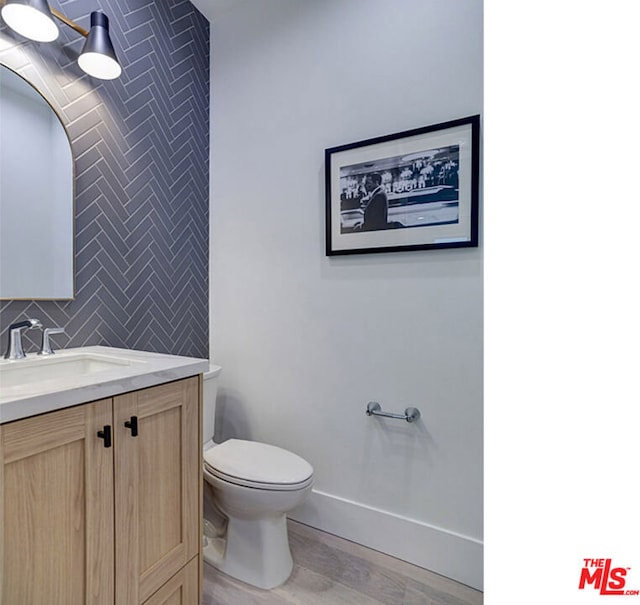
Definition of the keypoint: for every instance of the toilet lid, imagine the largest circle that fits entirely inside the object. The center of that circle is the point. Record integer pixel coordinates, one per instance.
(258, 463)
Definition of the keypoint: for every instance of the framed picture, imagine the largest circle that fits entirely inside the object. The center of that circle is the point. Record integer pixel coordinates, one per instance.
(414, 190)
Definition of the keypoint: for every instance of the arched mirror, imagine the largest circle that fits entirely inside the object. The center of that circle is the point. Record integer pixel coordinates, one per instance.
(36, 196)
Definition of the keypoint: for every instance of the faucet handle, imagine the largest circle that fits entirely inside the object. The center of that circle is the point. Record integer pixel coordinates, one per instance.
(26, 323)
(46, 349)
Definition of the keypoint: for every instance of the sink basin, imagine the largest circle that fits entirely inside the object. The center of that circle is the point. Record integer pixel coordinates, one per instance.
(58, 367)
(38, 384)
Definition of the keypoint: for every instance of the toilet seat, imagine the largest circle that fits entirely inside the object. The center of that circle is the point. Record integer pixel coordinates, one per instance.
(258, 466)
(274, 487)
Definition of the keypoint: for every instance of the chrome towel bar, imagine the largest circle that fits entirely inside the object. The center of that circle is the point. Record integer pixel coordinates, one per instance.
(410, 414)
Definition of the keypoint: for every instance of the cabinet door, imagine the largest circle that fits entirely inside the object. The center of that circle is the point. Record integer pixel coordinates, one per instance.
(56, 524)
(182, 589)
(157, 475)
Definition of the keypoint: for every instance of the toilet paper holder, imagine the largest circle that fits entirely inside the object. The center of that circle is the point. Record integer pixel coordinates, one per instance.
(410, 414)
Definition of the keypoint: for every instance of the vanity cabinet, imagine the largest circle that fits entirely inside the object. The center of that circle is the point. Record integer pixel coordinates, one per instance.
(101, 502)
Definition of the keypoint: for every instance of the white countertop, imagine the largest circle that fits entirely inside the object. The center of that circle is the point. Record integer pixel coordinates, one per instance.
(37, 384)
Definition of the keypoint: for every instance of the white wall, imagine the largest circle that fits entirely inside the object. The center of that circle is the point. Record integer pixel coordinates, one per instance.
(306, 340)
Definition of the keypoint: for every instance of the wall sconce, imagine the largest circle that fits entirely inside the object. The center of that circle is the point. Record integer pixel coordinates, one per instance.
(33, 19)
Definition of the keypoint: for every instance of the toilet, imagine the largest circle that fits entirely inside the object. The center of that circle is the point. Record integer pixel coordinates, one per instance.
(252, 486)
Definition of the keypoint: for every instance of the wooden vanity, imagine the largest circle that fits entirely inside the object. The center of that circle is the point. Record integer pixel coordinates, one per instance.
(102, 501)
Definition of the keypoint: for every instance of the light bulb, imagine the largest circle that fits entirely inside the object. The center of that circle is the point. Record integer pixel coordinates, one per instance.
(30, 22)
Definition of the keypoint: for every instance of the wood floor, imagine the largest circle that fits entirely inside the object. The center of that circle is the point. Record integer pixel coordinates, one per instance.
(331, 571)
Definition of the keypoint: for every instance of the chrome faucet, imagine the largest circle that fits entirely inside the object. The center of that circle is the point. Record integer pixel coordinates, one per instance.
(14, 346)
(45, 348)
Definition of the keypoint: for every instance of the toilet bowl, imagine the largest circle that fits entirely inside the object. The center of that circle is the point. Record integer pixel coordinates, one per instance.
(253, 486)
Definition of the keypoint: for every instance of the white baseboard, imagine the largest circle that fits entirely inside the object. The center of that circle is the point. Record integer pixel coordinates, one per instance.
(446, 553)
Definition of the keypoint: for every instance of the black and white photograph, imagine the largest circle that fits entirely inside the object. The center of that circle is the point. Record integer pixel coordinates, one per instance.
(402, 191)
(411, 190)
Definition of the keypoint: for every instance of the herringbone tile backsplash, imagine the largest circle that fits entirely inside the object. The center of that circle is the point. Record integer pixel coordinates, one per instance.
(141, 148)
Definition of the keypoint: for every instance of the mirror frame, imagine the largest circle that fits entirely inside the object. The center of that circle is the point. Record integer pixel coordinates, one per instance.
(73, 191)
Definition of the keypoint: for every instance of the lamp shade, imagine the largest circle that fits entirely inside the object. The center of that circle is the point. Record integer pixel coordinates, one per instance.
(31, 19)
(98, 57)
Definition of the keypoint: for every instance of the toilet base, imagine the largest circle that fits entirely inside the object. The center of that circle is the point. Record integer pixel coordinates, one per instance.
(255, 551)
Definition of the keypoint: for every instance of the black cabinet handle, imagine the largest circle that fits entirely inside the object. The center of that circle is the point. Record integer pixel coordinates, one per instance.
(132, 424)
(105, 434)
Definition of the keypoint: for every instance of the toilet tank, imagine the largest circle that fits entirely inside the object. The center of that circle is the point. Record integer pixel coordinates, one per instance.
(209, 393)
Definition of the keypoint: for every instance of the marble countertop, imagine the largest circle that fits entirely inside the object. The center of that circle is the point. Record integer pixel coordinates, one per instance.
(37, 384)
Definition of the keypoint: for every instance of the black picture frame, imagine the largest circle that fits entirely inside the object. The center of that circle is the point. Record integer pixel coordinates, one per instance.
(413, 190)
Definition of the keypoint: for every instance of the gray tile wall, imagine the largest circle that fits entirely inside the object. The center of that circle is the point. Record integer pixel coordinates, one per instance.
(141, 147)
